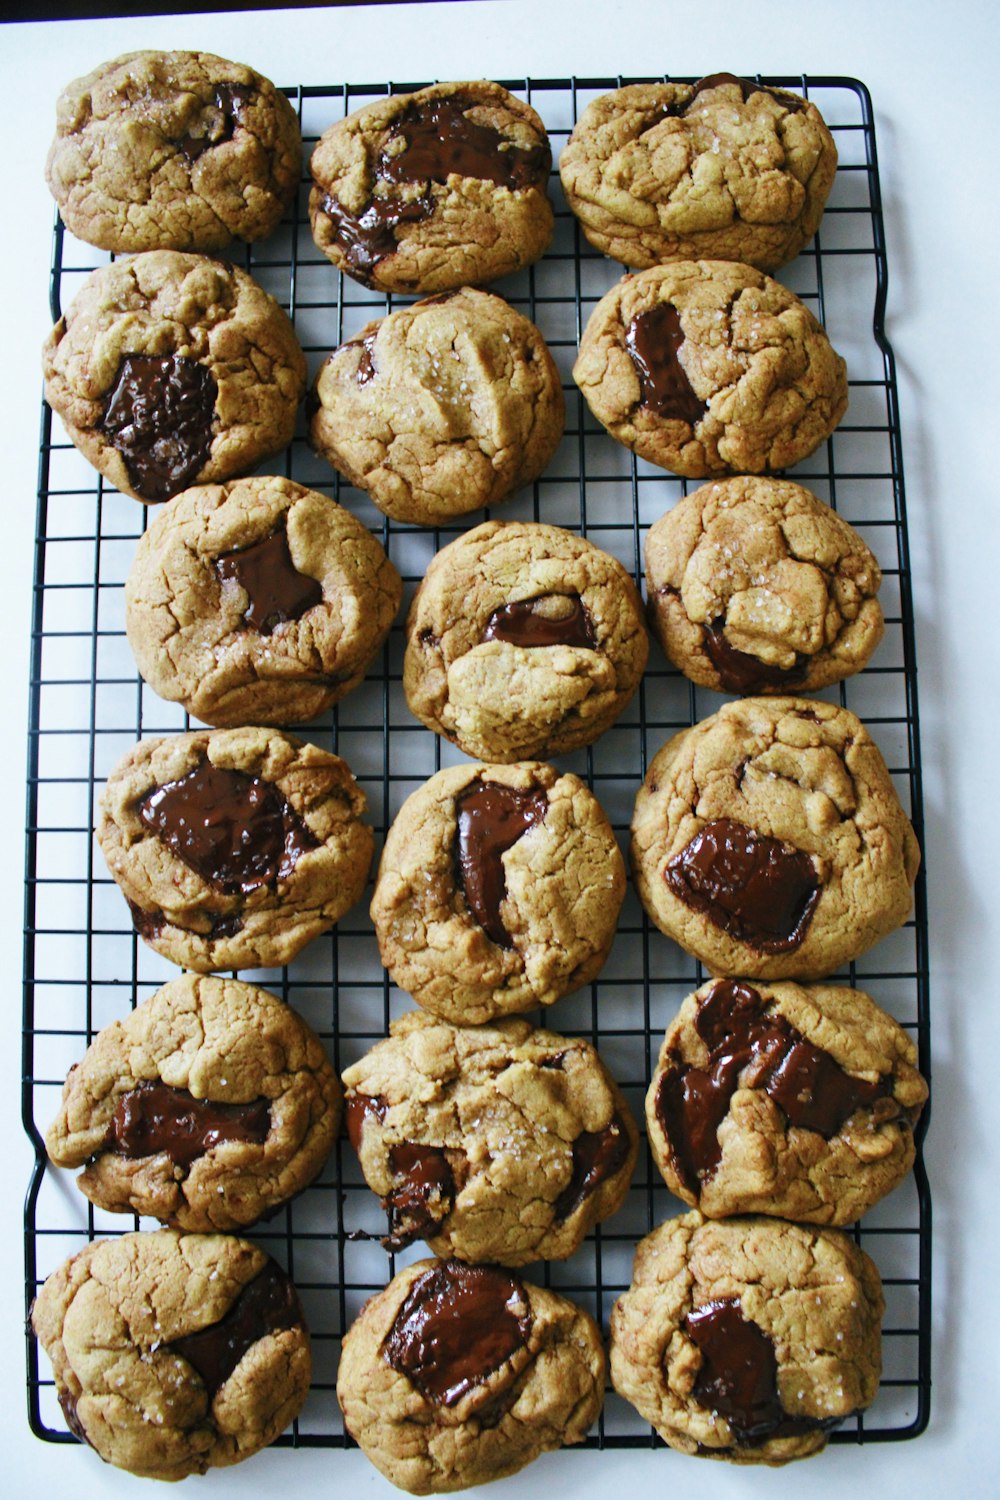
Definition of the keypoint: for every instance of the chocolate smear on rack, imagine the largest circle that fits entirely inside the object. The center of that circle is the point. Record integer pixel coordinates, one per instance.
(159, 416)
(276, 591)
(491, 818)
(154, 1117)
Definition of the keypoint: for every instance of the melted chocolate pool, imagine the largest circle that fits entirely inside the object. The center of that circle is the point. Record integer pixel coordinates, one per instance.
(159, 416)
(653, 339)
(597, 1155)
(741, 671)
(491, 819)
(154, 1117)
(268, 1304)
(523, 624)
(276, 591)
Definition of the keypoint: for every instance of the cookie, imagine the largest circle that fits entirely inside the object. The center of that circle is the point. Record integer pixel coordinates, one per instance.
(769, 842)
(173, 151)
(492, 1143)
(756, 586)
(257, 601)
(169, 370)
(710, 367)
(724, 169)
(498, 890)
(748, 1339)
(787, 1100)
(455, 1375)
(523, 640)
(234, 847)
(174, 1353)
(207, 1107)
(440, 408)
(425, 192)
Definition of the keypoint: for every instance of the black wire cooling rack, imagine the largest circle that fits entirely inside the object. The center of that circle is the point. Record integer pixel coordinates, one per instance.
(84, 966)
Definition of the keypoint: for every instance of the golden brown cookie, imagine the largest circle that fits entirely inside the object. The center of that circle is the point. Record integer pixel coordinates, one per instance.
(234, 847)
(523, 640)
(208, 1107)
(785, 1100)
(724, 169)
(493, 1143)
(429, 191)
(257, 601)
(769, 842)
(748, 1339)
(498, 890)
(440, 408)
(173, 151)
(174, 1353)
(756, 586)
(710, 367)
(455, 1375)
(169, 370)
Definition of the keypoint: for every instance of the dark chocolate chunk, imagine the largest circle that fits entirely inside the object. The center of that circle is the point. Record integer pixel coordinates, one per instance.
(268, 1304)
(159, 417)
(738, 1377)
(751, 1047)
(366, 364)
(148, 924)
(760, 890)
(68, 1403)
(653, 340)
(276, 591)
(597, 1155)
(523, 624)
(219, 124)
(441, 141)
(368, 237)
(425, 1184)
(457, 1326)
(225, 926)
(234, 830)
(359, 1108)
(491, 819)
(791, 102)
(741, 671)
(154, 1117)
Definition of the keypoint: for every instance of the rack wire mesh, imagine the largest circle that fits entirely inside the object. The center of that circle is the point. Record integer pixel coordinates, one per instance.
(84, 965)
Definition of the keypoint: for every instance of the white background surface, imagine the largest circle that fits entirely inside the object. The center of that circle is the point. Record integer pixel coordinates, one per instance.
(932, 72)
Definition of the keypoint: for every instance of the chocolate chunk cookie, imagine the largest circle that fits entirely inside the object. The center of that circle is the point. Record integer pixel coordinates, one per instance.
(440, 408)
(456, 1375)
(523, 640)
(234, 847)
(498, 891)
(492, 1143)
(710, 367)
(768, 840)
(169, 370)
(429, 191)
(174, 1353)
(748, 1339)
(724, 169)
(210, 1105)
(756, 586)
(258, 601)
(779, 1099)
(173, 151)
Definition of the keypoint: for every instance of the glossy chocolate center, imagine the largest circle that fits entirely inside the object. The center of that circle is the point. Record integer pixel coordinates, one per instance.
(420, 1197)
(761, 891)
(154, 1117)
(752, 1047)
(597, 1155)
(741, 671)
(358, 1110)
(653, 340)
(366, 370)
(266, 1305)
(220, 123)
(525, 624)
(491, 819)
(159, 417)
(457, 1325)
(276, 591)
(236, 831)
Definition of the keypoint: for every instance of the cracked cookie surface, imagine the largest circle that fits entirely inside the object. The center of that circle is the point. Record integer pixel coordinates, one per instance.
(234, 847)
(747, 1339)
(710, 367)
(173, 151)
(426, 192)
(782, 1099)
(170, 369)
(455, 1375)
(769, 842)
(498, 890)
(523, 640)
(724, 169)
(257, 600)
(173, 1353)
(207, 1107)
(440, 408)
(756, 586)
(497, 1143)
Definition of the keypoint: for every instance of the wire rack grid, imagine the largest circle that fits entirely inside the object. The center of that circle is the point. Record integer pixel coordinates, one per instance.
(84, 965)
